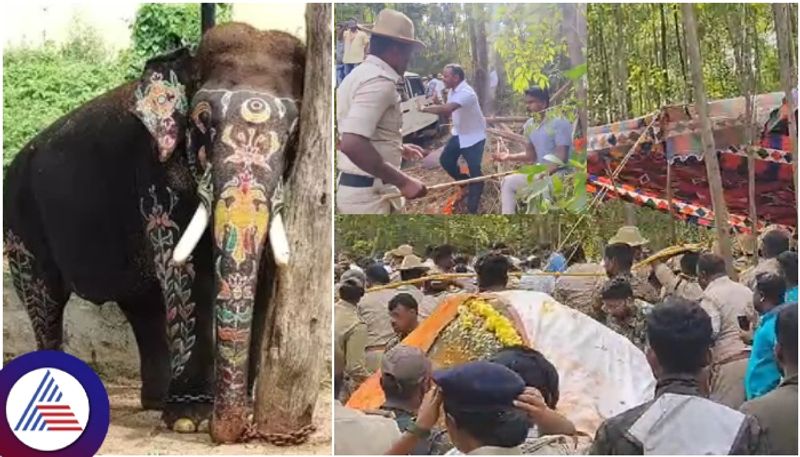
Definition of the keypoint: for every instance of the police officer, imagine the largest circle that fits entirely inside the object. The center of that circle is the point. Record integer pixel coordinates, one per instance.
(369, 121)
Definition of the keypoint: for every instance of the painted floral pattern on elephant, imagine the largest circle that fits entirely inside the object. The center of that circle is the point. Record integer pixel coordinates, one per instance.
(43, 311)
(176, 280)
(157, 103)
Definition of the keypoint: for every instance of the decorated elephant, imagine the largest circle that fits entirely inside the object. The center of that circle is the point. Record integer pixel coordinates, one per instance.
(113, 202)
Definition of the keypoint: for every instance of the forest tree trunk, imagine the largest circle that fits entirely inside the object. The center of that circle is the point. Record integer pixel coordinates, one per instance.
(709, 150)
(783, 32)
(480, 57)
(575, 20)
(292, 364)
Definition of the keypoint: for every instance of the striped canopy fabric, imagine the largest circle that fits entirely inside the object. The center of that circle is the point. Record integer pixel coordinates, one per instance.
(675, 139)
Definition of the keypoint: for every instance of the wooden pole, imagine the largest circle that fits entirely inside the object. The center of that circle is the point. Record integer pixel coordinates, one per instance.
(295, 345)
(207, 16)
(463, 182)
(783, 33)
(672, 235)
(709, 150)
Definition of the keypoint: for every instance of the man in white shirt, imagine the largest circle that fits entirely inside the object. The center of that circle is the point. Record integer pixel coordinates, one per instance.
(469, 132)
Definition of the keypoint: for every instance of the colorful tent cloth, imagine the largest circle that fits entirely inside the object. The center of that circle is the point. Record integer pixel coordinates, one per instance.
(695, 214)
(674, 138)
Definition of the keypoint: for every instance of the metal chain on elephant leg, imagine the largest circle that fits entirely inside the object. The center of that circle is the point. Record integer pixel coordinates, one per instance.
(176, 280)
(294, 438)
(41, 307)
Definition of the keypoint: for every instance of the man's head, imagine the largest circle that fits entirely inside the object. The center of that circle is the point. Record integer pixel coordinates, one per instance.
(788, 261)
(689, 263)
(533, 368)
(536, 99)
(453, 74)
(617, 259)
(443, 257)
(376, 274)
(478, 405)
(412, 267)
(769, 291)
(405, 377)
(773, 243)
(403, 310)
(709, 267)
(492, 271)
(617, 296)
(396, 53)
(351, 286)
(786, 335)
(352, 24)
(678, 337)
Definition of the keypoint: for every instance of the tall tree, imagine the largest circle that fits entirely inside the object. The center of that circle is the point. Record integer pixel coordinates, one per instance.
(298, 321)
(783, 33)
(707, 136)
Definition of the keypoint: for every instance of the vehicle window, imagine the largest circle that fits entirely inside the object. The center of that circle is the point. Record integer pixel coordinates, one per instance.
(416, 86)
(401, 89)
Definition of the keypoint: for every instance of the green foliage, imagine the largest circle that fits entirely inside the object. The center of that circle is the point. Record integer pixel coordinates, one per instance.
(41, 85)
(162, 27)
(637, 57)
(365, 235)
(529, 40)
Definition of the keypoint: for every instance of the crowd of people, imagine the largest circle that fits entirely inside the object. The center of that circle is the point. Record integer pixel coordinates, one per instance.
(723, 352)
(371, 63)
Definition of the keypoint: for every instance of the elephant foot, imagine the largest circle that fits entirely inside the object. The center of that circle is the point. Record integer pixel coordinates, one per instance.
(229, 426)
(187, 417)
(152, 404)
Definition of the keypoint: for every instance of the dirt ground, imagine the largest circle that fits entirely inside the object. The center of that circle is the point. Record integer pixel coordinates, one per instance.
(430, 172)
(101, 336)
(134, 431)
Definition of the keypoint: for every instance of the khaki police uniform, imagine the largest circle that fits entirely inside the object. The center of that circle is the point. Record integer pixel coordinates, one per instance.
(368, 105)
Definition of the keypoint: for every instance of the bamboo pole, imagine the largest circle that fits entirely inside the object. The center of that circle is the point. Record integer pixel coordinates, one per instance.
(515, 137)
(445, 185)
(657, 257)
(709, 150)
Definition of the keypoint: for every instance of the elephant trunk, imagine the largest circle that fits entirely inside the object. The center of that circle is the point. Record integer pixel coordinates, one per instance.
(240, 221)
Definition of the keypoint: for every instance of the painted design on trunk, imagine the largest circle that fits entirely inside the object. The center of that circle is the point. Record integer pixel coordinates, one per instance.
(176, 280)
(43, 311)
(249, 147)
(241, 218)
(157, 102)
(254, 128)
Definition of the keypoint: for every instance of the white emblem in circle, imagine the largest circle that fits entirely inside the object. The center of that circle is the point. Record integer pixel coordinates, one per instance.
(47, 409)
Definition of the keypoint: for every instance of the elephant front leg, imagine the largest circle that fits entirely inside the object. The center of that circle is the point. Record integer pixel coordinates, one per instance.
(187, 296)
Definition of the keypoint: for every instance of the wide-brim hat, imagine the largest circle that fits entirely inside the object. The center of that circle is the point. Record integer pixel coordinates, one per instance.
(630, 235)
(395, 26)
(402, 251)
(412, 262)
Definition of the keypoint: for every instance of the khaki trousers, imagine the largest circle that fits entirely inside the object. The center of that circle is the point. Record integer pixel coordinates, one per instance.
(367, 200)
(727, 382)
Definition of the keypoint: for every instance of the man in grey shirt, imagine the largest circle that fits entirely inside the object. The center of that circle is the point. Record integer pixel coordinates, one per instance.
(547, 135)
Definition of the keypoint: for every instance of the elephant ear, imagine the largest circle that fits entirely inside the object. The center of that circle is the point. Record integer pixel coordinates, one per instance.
(160, 99)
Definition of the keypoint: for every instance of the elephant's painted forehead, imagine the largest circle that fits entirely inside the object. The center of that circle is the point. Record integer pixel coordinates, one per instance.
(250, 105)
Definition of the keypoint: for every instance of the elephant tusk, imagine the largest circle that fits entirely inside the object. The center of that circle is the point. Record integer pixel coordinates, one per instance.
(190, 238)
(278, 241)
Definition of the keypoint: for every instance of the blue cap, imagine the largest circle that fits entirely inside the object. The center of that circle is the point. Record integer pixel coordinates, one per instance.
(479, 386)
